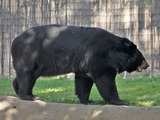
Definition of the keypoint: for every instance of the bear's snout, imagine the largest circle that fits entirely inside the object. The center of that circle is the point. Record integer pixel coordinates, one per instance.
(144, 65)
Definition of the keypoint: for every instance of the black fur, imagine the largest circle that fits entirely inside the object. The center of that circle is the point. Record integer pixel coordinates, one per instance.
(93, 54)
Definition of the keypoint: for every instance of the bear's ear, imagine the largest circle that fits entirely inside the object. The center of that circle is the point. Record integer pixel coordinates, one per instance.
(130, 47)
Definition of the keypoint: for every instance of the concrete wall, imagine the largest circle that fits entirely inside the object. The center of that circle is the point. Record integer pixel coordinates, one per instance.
(12, 108)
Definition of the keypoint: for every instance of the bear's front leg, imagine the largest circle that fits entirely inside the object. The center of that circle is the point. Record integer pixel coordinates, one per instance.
(107, 88)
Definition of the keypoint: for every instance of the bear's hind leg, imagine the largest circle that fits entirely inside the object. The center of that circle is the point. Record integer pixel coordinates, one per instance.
(15, 85)
(83, 85)
(26, 81)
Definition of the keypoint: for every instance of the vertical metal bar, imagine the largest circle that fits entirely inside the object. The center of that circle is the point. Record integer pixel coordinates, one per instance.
(66, 16)
(10, 34)
(18, 17)
(2, 41)
(2, 51)
(152, 62)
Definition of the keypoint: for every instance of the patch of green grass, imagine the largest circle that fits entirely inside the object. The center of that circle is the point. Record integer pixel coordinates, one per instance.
(6, 87)
(138, 92)
(56, 90)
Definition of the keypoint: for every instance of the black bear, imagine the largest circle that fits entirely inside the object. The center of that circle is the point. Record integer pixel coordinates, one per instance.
(93, 54)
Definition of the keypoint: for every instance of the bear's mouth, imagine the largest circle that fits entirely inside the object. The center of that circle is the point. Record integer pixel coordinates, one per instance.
(144, 65)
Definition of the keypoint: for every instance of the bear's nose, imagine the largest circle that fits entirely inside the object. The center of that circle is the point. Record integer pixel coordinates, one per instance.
(146, 65)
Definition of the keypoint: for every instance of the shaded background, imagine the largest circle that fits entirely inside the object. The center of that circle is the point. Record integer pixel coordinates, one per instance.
(138, 20)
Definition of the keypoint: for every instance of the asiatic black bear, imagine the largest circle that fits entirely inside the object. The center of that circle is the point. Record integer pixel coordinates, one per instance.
(93, 54)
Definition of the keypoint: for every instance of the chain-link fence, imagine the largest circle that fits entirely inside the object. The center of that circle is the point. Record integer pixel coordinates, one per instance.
(139, 20)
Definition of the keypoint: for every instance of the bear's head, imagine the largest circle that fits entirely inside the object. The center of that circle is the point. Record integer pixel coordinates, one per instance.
(134, 61)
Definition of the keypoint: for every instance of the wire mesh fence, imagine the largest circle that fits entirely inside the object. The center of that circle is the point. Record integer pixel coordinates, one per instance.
(139, 20)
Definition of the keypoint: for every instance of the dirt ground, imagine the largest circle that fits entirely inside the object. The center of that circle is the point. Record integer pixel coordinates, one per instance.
(12, 108)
